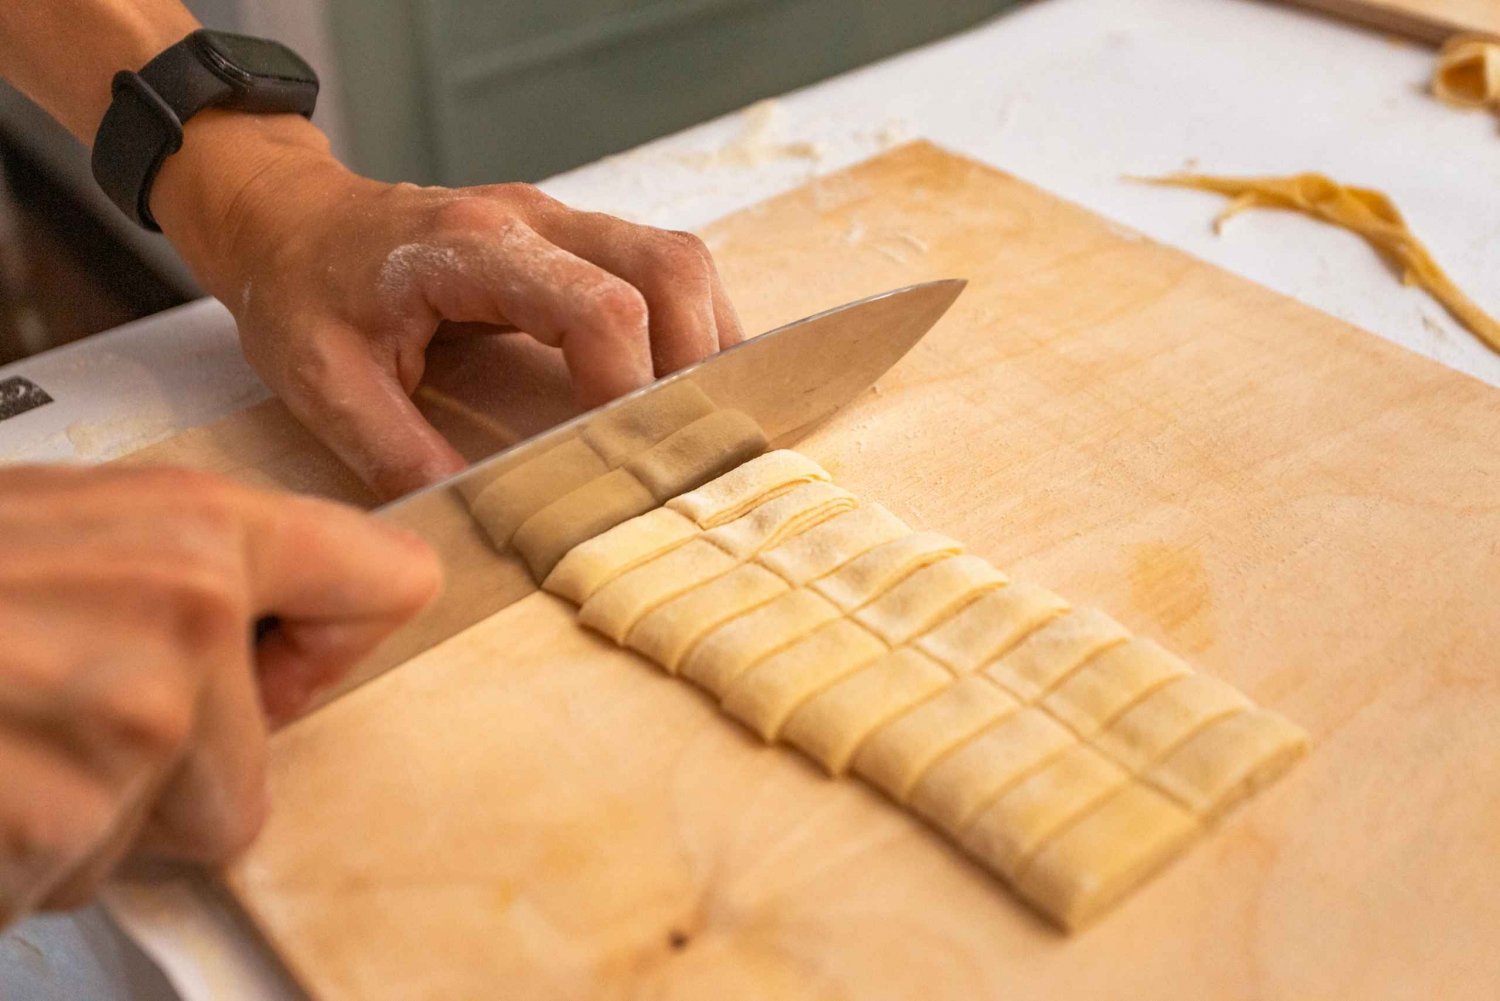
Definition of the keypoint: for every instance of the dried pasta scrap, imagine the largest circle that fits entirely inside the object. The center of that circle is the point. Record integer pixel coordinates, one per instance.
(1468, 72)
(1363, 211)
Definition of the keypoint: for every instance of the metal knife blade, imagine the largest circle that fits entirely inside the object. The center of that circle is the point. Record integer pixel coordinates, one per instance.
(787, 380)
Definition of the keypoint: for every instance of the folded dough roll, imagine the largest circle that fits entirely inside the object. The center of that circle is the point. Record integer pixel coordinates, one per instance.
(636, 425)
(1054, 651)
(1148, 730)
(822, 550)
(831, 725)
(781, 518)
(670, 629)
(595, 562)
(1228, 760)
(750, 485)
(503, 502)
(991, 626)
(867, 577)
(767, 693)
(1013, 826)
(599, 505)
(620, 604)
(951, 790)
(895, 756)
(927, 596)
(690, 457)
(1105, 854)
(726, 652)
(1090, 698)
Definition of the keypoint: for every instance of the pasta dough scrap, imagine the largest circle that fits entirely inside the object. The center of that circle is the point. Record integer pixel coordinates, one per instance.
(766, 694)
(670, 629)
(503, 502)
(830, 726)
(1362, 211)
(692, 456)
(724, 654)
(1228, 760)
(599, 505)
(951, 790)
(871, 575)
(1054, 651)
(991, 626)
(896, 755)
(594, 562)
(924, 598)
(636, 425)
(1468, 71)
(1167, 717)
(1017, 822)
(821, 550)
(1110, 682)
(737, 491)
(620, 604)
(781, 518)
(1104, 854)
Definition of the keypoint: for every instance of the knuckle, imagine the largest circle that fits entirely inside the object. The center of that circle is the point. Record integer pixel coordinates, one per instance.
(459, 217)
(619, 306)
(527, 197)
(686, 246)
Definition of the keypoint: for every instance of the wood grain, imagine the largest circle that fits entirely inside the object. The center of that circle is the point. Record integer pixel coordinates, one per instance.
(1295, 505)
(1432, 21)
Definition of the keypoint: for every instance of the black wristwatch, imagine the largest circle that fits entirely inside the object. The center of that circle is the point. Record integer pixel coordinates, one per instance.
(208, 69)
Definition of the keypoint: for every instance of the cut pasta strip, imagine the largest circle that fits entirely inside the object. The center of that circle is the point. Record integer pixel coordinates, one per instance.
(503, 502)
(1013, 825)
(1105, 854)
(1052, 652)
(599, 505)
(1091, 697)
(1166, 718)
(822, 550)
(692, 456)
(924, 598)
(830, 726)
(952, 789)
(1228, 760)
(634, 426)
(732, 495)
(896, 755)
(991, 626)
(721, 656)
(766, 694)
(781, 518)
(871, 575)
(620, 604)
(667, 632)
(595, 562)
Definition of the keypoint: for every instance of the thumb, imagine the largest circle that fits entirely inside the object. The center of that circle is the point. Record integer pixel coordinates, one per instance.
(360, 410)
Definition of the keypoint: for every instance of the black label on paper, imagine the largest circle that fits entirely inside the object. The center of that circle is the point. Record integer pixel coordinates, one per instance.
(18, 395)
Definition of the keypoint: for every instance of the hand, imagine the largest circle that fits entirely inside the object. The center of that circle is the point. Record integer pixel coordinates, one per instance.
(133, 709)
(339, 284)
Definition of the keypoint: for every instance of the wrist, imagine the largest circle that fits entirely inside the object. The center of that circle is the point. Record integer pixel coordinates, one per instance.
(211, 198)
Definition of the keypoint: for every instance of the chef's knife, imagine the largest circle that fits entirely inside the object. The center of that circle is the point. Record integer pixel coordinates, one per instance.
(786, 380)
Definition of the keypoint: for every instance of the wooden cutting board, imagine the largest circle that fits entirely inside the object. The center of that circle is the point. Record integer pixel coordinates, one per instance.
(1431, 21)
(1294, 504)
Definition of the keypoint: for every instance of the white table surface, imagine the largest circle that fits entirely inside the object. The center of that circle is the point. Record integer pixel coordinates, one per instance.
(1068, 94)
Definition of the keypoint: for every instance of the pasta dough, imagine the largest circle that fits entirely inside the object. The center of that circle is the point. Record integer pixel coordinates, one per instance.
(601, 504)
(692, 456)
(502, 503)
(1065, 755)
(1468, 71)
(636, 425)
(1363, 211)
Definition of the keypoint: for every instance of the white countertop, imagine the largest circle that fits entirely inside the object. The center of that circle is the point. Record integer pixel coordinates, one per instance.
(1068, 94)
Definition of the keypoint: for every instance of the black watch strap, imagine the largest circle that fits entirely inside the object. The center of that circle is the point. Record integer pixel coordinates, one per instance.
(144, 123)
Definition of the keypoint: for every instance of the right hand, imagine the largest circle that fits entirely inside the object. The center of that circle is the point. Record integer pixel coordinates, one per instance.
(133, 704)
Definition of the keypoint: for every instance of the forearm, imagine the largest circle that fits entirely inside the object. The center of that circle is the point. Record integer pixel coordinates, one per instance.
(63, 55)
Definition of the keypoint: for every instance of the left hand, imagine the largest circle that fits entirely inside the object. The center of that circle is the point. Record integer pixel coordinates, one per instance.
(339, 283)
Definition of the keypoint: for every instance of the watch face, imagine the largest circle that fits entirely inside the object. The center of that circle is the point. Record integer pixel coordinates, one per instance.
(246, 57)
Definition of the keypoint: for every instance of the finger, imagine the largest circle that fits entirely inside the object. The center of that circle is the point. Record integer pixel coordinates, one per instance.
(362, 412)
(726, 317)
(673, 271)
(504, 272)
(213, 804)
(79, 886)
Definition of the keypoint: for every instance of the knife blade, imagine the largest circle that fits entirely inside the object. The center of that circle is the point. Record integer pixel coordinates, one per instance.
(786, 380)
